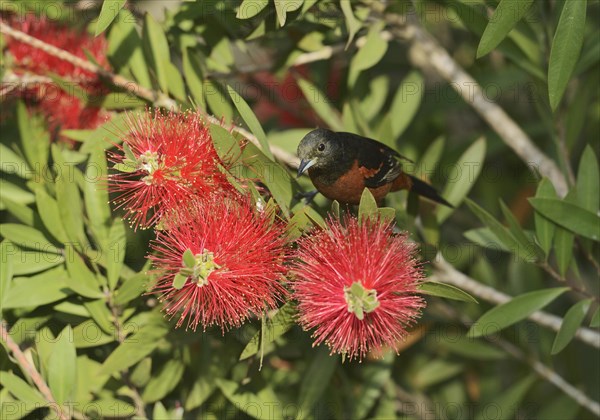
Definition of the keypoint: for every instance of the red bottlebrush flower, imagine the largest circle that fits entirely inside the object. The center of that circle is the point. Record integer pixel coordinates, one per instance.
(219, 261)
(168, 159)
(62, 109)
(356, 285)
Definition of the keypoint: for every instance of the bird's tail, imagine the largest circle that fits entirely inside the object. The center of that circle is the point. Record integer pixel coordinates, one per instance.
(424, 189)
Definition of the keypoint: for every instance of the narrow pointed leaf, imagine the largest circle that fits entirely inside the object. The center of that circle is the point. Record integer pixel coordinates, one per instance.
(588, 180)
(468, 167)
(447, 291)
(513, 311)
(571, 216)
(504, 19)
(110, 10)
(571, 322)
(62, 371)
(251, 120)
(566, 47)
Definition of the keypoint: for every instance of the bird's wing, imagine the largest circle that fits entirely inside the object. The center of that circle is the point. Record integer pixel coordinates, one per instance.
(378, 163)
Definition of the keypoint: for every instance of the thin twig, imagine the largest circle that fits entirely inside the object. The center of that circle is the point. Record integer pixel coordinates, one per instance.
(574, 287)
(446, 273)
(551, 376)
(121, 336)
(541, 369)
(158, 99)
(31, 371)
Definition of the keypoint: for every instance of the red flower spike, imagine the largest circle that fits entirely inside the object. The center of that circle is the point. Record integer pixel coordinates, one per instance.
(356, 285)
(61, 109)
(167, 159)
(218, 262)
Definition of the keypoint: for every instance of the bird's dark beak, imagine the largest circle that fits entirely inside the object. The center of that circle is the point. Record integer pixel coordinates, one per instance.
(305, 164)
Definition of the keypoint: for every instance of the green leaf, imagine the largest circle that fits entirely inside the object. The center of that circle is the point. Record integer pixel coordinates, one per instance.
(21, 212)
(282, 7)
(544, 228)
(134, 348)
(430, 159)
(164, 381)
(157, 50)
(159, 411)
(80, 279)
(115, 252)
(566, 47)
(217, 101)
(109, 408)
(321, 104)
(316, 379)
(96, 195)
(504, 236)
(263, 404)
(272, 174)
(131, 288)
(110, 10)
(386, 214)
(142, 373)
(352, 24)
(595, 322)
(588, 176)
(35, 139)
(434, 372)
(472, 348)
(6, 272)
(27, 262)
(570, 216)
(509, 400)
(125, 47)
(278, 325)
(179, 281)
(368, 206)
(192, 69)
(504, 19)
(369, 54)
(62, 371)
(519, 234)
(69, 200)
(100, 314)
(14, 193)
(444, 290)
(560, 407)
(119, 100)
(372, 377)
(405, 104)
(89, 334)
(28, 237)
(486, 238)
(44, 288)
(513, 311)
(572, 321)
(50, 215)
(225, 143)
(250, 8)
(563, 248)
(21, 389)
(468, 168)
(251, 120)
(12, 163)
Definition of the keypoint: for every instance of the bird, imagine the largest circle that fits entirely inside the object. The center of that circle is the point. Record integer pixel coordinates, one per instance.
(341, 165)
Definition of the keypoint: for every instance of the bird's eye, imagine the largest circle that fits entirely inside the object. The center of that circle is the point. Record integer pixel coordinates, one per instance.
(321, 147)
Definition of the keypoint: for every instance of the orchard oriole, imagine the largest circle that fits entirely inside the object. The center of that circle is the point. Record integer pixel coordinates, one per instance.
(341, 165)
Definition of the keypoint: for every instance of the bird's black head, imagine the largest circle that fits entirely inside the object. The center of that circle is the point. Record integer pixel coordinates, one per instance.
(319, 149)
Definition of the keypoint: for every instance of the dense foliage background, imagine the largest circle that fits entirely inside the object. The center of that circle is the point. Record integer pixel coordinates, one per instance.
(494, 101)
